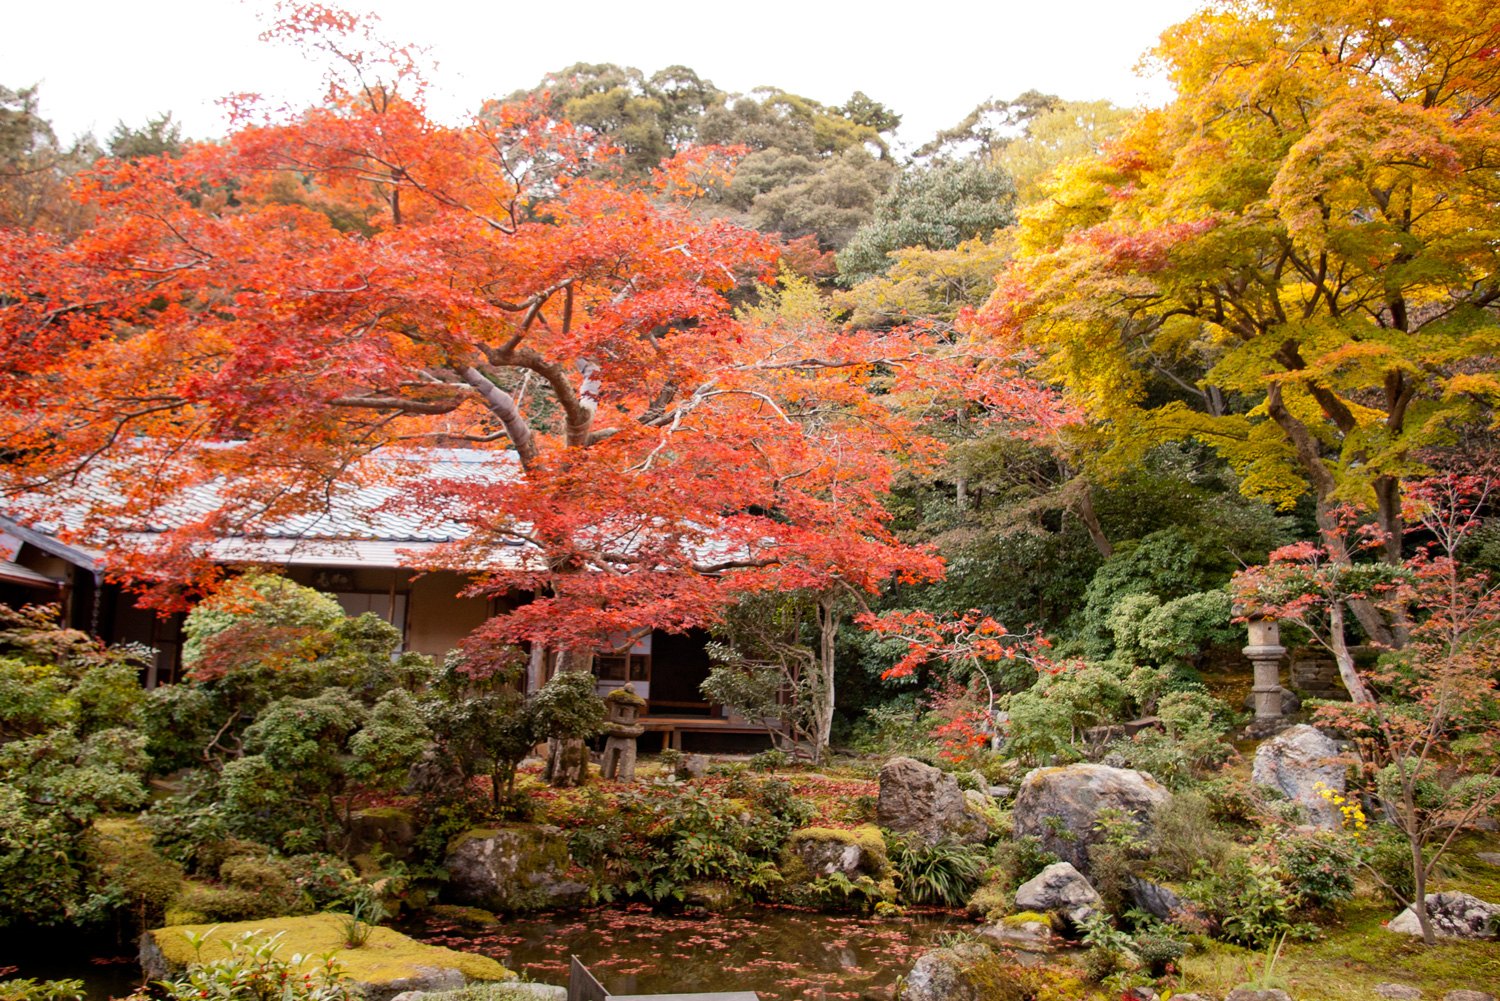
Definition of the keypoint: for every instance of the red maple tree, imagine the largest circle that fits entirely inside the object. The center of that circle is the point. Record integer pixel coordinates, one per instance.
(265, 312)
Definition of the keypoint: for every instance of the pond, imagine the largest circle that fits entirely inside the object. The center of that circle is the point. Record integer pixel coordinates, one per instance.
(783, 954)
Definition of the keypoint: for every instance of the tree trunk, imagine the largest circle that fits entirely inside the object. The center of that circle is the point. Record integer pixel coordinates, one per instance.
(568, 760)
(1419, 898)
(1084, 508)
(823, 694)
(1370, 619)
(1352, 681)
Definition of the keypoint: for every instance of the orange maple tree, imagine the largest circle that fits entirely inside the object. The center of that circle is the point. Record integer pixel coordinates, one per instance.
(263, 313)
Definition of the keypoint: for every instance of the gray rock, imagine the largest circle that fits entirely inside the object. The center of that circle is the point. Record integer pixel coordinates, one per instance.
(1290, 702)
(1295, 761)
(516, 991)
(434, 774)
(976, 799)
(922, 801)
(1250, 994)
(1467, 995)
(824, 858)
(428, 980)
(1398, 992)
(1453, 915)
(940, 975)
(512, 869)
(1193, 997)
(1071, 798)
(1003, 792)
(712, 895)
(694, 766)
(1490, 858)
(1160, 901)
(1033, 936)
(1059, 887)
(1141, 994)
(388, 829)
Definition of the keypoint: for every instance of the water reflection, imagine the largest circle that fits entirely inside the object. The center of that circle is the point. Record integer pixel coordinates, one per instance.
(780, 953)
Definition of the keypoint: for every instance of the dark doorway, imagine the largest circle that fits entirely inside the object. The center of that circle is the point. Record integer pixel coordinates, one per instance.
(679, 664)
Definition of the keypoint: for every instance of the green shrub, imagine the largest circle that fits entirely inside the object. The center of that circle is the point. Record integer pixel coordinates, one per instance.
(308, 759)
(779, 798)
(1250, 905)
(991, 900)
(1184, 836)
(1156, 952)
(771, 760)
(1320, 866)
(1020, 859)
(31, 989)
(943, 873)
(70, 751)
(138, 879)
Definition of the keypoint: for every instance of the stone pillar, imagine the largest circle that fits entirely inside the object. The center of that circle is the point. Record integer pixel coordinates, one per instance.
(618, 763)
(625, 708)
(1265, 652)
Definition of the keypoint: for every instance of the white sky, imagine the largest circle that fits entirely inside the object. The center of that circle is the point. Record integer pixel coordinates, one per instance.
(929, 60)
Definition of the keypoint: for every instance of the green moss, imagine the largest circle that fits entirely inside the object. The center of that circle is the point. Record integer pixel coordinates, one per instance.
(181, 916)
(1355, 955)
(470, 917)
(387, 956)
(1023, 918)
(870, 841)
(621, 695)
(387, 812)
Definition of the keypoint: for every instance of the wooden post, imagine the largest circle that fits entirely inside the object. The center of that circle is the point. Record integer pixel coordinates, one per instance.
(581, 984)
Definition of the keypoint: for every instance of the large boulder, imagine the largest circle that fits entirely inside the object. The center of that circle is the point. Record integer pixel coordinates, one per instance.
(942, 975)
(1300, 761)
(1028, 931)
(818, 852)
(1162, 902)
(926, 803)
(1060, 805)
(1453, 915)
(387, 829)
(512, 869)
(1062, 888)
(388, 964)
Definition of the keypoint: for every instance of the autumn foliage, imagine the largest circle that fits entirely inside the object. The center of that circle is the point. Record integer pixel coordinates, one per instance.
(265, 313)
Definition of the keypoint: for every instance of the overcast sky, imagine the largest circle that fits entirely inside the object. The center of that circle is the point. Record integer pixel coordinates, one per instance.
(929, 60)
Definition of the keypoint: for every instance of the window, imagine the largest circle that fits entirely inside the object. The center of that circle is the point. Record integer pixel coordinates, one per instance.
(356, 604)
(611, 667)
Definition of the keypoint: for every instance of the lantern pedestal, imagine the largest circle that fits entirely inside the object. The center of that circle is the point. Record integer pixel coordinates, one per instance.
(618, 763)
(1265, 652)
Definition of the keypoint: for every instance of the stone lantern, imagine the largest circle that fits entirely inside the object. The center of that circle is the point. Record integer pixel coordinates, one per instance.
(622, 727)
(1265, 652)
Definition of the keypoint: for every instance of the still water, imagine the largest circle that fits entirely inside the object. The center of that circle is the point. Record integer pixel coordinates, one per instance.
(781, 953)
(784, 954)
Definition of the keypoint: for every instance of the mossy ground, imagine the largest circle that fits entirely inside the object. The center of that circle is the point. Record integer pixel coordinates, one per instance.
(387, 955)
(1356, 952)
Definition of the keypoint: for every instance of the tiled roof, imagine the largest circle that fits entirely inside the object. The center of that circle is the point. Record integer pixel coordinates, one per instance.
(23, 575)
(358, 527)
